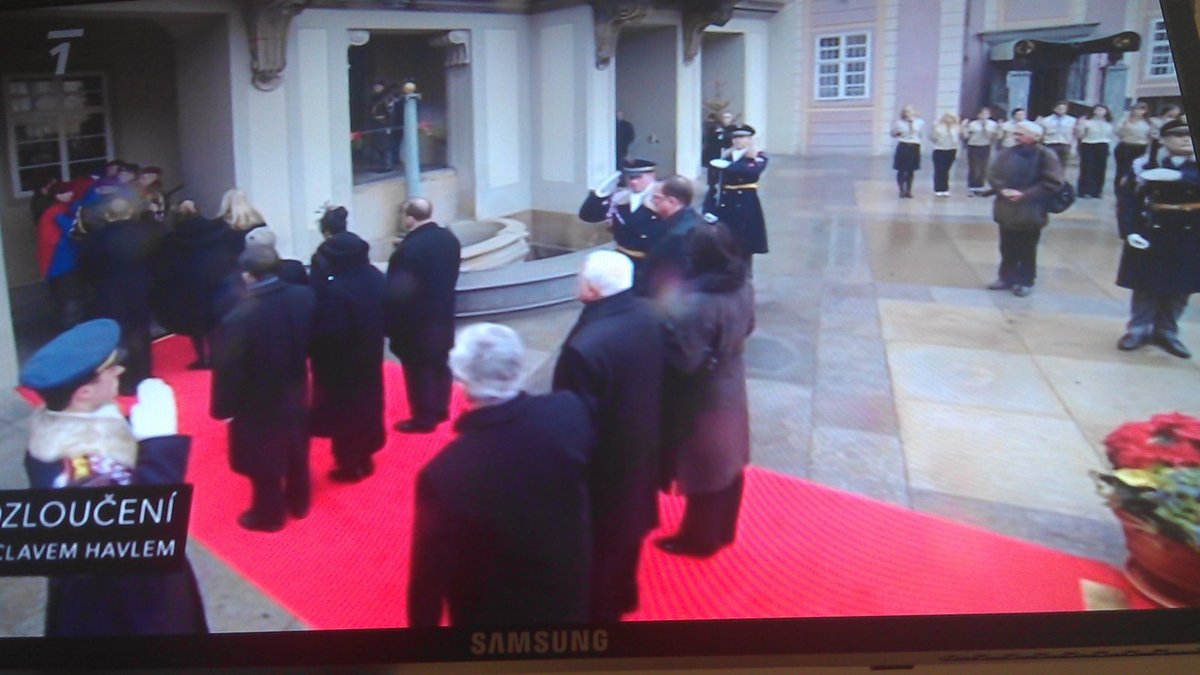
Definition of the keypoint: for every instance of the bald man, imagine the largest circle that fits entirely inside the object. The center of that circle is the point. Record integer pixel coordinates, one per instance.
(419, 313)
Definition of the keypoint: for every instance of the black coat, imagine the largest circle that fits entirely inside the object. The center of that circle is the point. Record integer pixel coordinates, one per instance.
(501, 533)
(260, 377)
(665, 266)
(740, 208)
(635, 231)
(419, 303)
(613, 359)
(116, 604)
(1171, 265)
(117, 261)
(347, 346)
(192, 265)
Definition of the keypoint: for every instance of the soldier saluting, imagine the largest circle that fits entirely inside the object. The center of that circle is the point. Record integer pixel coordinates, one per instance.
(1161, 259)
(636, 228)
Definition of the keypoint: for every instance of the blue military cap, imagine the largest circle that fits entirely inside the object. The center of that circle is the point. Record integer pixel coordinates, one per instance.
(74, 356)
(743, 130)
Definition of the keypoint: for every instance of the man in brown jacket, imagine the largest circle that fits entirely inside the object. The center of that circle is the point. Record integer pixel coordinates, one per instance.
(1024, 178)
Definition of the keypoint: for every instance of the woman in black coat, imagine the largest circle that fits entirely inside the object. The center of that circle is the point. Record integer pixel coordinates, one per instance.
(706, 419)
(193, 263)
(347, 356)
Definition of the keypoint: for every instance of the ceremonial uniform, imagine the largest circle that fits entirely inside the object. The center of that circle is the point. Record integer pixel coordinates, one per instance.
(613, 359)
(734, 198)
(501, 533)
(1165, 272)
(73, 448)
(635, 227)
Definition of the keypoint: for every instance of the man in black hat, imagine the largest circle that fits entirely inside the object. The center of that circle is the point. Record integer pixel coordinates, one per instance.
(80, 439)
(635, 227)
(1161, 259)
(260, 384)
(733, 199)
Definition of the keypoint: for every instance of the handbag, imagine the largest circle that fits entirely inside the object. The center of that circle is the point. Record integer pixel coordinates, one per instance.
(1063, 199)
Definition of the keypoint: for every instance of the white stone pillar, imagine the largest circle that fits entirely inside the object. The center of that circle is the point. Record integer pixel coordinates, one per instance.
(951, 36)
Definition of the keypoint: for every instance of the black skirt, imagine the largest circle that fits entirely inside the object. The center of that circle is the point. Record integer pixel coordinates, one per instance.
(908, 157)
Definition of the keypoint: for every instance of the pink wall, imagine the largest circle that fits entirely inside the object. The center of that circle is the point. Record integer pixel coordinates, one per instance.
(917, 56)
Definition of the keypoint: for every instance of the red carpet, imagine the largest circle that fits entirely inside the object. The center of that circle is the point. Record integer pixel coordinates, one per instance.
(802, 549)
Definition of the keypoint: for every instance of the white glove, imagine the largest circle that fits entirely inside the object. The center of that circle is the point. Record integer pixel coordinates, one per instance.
(608, 186)
(154, 414)
(1162, 175)
(1138, 241)
(719, 163)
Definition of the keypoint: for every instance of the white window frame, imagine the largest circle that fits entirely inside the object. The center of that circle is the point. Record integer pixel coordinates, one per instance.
(1158, 25)
(842, 61)
(13, 118)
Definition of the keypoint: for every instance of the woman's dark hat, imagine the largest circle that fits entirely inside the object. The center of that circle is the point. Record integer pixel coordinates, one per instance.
(74, 356)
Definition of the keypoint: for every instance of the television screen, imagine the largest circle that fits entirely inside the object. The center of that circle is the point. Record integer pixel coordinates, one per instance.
(359, 331)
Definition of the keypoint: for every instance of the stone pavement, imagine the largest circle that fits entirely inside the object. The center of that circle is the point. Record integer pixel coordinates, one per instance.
(880, 366)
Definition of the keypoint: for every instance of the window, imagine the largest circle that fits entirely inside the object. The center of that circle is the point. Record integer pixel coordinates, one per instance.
(843, 69)
(58, 127)
(1160, 63)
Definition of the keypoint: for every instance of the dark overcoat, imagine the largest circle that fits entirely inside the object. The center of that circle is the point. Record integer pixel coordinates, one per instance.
(739, 207)
(501, 534)
(192, 265)
(347, 347)
(1171, 265)
(260, 377)
(637, 231)
(165, 603)
(117, 260)
(613, 359)
(419, 302)
(1037, 173)
(666, 264)
(706, 425)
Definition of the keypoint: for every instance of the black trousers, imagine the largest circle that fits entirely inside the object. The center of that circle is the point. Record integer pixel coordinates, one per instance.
(710, 519)
(135, 340)
(1153, 313)
(1123, 158)
(977, 164)
(1018, 256)
(614, 579)
(427, 380)
(942, 161)
(1093, 164)
(272, 497)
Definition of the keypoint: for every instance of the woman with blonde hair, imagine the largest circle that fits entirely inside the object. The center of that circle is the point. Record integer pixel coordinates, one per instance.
(947, 136)
(908, 131)
(238, 213)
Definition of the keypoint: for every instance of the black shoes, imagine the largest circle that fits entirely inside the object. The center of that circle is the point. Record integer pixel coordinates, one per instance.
(248, 521)
(1021, 291)
(414, 427)
(1130, 342)
(1173, 346)
(677, 546)
(999, 285)
(353, 474)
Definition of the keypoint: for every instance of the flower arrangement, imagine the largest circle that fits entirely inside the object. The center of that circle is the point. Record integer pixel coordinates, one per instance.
(432, 130)
(1156, 476)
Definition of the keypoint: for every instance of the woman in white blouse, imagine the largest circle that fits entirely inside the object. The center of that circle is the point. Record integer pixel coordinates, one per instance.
(1095, 134)
(1133, 137)
(980, 133)
(947, 136)
(1007, 127)
(907, 131)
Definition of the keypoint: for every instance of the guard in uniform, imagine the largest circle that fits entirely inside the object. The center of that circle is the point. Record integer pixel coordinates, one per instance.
(635, 227)
(79, 439)
(1161, 259)
(734, 198)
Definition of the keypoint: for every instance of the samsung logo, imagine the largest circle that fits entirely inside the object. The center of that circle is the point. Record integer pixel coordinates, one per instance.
(579, 641)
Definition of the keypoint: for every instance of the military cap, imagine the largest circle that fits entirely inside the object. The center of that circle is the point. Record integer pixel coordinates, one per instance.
(635, 167)
(1179, 125)
(742, 130)
(74, 356)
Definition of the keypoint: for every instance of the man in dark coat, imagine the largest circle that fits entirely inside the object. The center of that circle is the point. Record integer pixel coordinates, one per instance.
(1161, 259)
(260, 380)
(501, 534)
(635, 227)
(613, 359)
(663, 271)
(1024, 178)
(192, 265)
(117, 260)
(419, 313)
(625, 136)
(79, 439)
(733, 199)
(347, 356)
